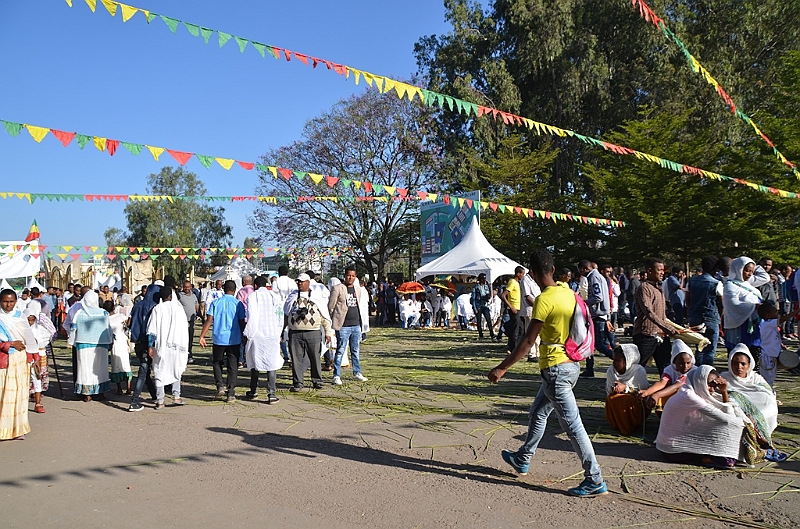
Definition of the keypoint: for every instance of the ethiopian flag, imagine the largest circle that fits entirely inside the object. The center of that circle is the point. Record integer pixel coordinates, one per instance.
(33, 234)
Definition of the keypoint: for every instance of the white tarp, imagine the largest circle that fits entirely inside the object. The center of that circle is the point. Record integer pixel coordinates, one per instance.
(472, 256)
(19, 263)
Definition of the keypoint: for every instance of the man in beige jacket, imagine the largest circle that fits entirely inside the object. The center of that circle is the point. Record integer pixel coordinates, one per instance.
(346, 321)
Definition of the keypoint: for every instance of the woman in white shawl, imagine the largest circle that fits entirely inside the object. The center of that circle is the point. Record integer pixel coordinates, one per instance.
(702, 425)
(168, 338)
(92, 337)
(740, 299)
(625, 411)
(15, 338)
(263, 332)
(754, 395)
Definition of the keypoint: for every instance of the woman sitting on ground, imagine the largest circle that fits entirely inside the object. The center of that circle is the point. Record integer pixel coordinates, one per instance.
(702, 425)
(673, 377)
(754, 395)
(624, 379)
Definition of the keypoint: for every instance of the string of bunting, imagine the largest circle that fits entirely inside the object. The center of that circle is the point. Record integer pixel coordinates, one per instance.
(404, 90)
(152, 252)
(650, 16)
(39, 133)
(391, 193)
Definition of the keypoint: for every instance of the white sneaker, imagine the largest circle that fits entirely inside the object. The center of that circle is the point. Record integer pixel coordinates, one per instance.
(360, 377)
(337, 381)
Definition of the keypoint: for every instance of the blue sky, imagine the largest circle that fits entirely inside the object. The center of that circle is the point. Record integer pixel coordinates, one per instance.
(74, 70)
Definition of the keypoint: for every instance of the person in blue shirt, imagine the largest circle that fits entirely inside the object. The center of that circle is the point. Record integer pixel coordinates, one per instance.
(227, 316)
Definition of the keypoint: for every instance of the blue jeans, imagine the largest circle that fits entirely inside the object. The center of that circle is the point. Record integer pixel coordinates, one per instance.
(347, 335)
(706, 356)
(145, 376)
(603, 342)
(555, 393)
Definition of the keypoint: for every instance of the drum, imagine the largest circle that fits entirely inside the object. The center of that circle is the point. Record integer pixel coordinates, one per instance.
(788, 359)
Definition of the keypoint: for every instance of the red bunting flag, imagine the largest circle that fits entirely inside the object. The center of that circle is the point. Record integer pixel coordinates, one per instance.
(64, 137)
(180, 156)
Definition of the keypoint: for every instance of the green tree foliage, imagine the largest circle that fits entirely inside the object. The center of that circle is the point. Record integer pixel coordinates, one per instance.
(183, 223)
(596, 67)
(372, 138)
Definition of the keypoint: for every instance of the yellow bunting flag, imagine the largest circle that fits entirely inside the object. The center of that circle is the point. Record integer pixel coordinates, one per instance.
(110, 6)
(100, 143)
(127, 12)
(316, 178)
(155, 151)
(389, 190)
(37, 133)
(227, 163)
(92, 4)
(274, 171)
(69, 3)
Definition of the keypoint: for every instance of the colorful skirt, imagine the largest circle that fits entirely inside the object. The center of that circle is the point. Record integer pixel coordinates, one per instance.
(626, 412)
(14, 383)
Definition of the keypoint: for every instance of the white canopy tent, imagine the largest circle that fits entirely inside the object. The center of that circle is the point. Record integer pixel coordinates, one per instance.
(472, 256)
(19, 259)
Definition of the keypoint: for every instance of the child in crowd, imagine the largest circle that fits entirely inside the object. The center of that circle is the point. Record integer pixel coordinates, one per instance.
(38, 359)
(673, 377)
(624, 409)
(121, 372)
(771, 344)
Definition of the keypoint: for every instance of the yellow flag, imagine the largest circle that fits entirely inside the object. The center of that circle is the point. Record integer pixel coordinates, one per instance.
(127, 12)
(316, 178)
(110, 6)
(100, 143)
(368, 77)
(389, 190)
(227, 163)
(274, 171)
(357, 74)
(37, 133)
(388, 84)
(460, 202)
(92, 4)
(69, 3)
(484, 205)
(155, 151)
(94, 248)
(432, 197)
(62, 256)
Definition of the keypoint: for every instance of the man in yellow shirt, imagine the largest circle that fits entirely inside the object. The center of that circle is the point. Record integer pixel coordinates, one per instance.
(512, 297)
(552, 318)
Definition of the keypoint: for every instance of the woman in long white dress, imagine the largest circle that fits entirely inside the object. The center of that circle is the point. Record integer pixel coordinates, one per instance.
(121, 372)
(91, 334)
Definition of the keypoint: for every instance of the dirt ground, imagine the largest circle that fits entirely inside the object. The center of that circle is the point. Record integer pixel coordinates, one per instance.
(416, 446)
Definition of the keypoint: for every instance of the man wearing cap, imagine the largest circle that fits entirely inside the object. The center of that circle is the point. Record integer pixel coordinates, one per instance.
(305, 313)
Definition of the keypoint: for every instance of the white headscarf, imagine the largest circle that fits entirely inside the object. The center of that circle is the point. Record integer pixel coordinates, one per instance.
(634, 377)
(167, 323)
(754, 387)
(678, 347)
(740, 297)
(696, 422)
(17, 328)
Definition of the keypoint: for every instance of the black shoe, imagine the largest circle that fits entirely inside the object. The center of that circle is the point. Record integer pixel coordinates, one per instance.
(272, 399)
(587, 374)
(251, 394)
(318, 385)
(295, 389)
(135, 407)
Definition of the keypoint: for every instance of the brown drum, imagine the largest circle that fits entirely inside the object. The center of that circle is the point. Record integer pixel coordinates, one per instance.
(788, 359)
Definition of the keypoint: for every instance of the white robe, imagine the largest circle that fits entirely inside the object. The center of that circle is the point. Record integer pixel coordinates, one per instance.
(263, 330)
(168, 324)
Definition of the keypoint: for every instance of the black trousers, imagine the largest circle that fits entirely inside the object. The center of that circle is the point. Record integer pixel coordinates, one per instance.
(514, 330)
(191, 334)
(230, 355)
(649, 346)
(483, 312)
(304, 346)
(272, 382)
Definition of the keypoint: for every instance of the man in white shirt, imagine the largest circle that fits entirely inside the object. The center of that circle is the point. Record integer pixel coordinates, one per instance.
(284, 286)
(530, 291)
(213, 294)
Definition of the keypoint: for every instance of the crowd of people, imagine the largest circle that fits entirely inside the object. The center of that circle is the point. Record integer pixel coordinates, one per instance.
(707, 418)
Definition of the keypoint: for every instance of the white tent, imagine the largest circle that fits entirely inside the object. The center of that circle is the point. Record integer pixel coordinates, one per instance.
(4, 285)
(472, 256)
(33, 283)
(19, 259)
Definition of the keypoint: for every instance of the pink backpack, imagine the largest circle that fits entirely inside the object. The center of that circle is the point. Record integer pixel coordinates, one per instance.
(580, 343)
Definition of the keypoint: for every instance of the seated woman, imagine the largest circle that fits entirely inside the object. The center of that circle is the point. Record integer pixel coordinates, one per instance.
(624, 410)
(702, 425)
(409, 312)
(754, 395)
(673, 377)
